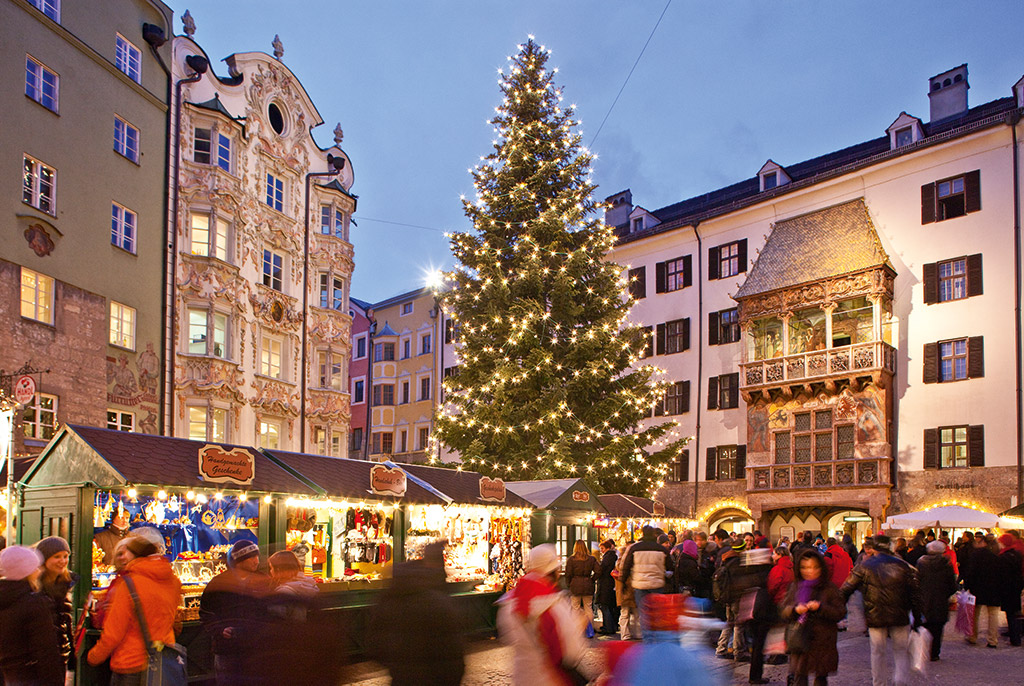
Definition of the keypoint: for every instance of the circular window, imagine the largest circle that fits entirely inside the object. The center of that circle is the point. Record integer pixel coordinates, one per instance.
(276, 117)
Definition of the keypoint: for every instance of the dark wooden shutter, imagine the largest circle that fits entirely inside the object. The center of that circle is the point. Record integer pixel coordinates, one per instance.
(687, 271)
(712, 328)
(684, 465)
(714, 261)
(686, 397)
(928, 203)
(713, 393)
(931, 283)
(741, 462)
(661, 339)
(975, 357)
(659, 278)
(649, 342)
(976, 446)
(711, 472)
(931, 448)
(743, 255)
(974, 280)
(972, 190)
(931, 363)
(734, 390)
(686, 334)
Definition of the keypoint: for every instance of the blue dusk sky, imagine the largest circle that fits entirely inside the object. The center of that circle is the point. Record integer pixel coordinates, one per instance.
(720, 88)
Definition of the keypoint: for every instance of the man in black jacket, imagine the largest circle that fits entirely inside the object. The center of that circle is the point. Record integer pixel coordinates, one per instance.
(890, 592)
(727, 587)
(937, 582)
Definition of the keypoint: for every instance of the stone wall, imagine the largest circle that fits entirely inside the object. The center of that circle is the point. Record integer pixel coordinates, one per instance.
(679, 496)
(989, 488)
(73, 349)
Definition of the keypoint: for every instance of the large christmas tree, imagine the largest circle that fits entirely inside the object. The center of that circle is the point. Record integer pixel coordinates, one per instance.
(546, 386)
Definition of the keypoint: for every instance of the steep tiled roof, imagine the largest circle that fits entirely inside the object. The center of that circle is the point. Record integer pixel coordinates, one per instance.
(841, 161)
(21, 465)
(836, 240)
(159, 460)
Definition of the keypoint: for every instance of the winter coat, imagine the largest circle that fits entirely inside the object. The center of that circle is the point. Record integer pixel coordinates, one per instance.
(624, 596)
(982, 577)
(937, 581)
(416, 630)
(890, 589)
(1011, 581)
(234, 600)
(822, 656)
(687, 574)
(726, 584)
(839, 564)
(544, 632)
(779, 579)
(579, 575)
(292, 600)
(605, 581)
(646, 564)
(58, 592)
(159, 592)
(29, 652)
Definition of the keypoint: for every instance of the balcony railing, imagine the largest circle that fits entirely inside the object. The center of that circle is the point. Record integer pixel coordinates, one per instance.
(861, 358)
(810, 475)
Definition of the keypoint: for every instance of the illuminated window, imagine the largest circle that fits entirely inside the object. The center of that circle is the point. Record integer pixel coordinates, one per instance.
(39, 186)
(270, 356)
(953, 447)
(120, 421)
(122, 325)
(207, 332)
(40, 421)
(207, 423)
(206, 242)
(270, 435)
(36, 296)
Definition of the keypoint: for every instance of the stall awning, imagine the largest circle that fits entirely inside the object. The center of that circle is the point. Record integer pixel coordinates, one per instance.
(345, 478)
(558, 494)
(463, 487)
(108, 458)
(635, 507)
(950, 517)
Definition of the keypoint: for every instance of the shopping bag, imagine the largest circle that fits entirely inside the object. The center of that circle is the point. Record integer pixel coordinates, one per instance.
(965, 613)
(798, 639)
(920, 648)
(775, 643)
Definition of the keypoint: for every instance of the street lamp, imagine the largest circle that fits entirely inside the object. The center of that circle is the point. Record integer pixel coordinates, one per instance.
(8, 408)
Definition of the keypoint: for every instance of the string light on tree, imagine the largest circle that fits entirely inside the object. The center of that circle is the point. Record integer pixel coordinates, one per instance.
(551, 382)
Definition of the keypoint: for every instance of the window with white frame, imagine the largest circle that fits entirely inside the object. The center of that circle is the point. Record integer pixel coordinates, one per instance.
(120, 420)
(406, 309)
(123, 225)
(337, 440)
(128, 59)
(332, 221)
(126, 139)
(270, 356)
(40, 421)
(207, 332)
(211, 147)
(36, 296)
(41, 83)
(729, 260)
(273, 268)
(50, 8)
(270, 434)
(275, 192)
(206, 423)
(39, 188)
(358, 391)
(360, 347)
(332, 291)
(330, 363)
(423, 438)
(209, 236)
(425, 388)
(122, 325)
(904, 136)
(406, 348)
(403, 441)
(425, 344)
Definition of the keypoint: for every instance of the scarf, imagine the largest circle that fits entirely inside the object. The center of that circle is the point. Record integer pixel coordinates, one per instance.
(804, 593)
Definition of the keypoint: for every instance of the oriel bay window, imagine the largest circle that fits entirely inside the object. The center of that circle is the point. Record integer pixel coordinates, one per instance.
(807, 331)
(207, 332)
(383, 352)
(852, 322)
(332, 291)
(814, 437)
(330, 365)
(764, 339)
(383, 394)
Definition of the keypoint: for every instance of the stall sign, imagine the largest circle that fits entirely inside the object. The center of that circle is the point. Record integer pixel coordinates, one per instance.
(217, 464)
(492, 489)
(24, 390)
(387, 481)
(658, 508)
(581, 496)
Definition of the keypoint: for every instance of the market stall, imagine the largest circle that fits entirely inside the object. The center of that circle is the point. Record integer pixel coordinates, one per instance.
(94, 486)
(952, 517)
(563, 512)
(626, 515)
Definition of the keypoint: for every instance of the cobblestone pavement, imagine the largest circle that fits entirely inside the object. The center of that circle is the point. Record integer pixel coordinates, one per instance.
(489, 663)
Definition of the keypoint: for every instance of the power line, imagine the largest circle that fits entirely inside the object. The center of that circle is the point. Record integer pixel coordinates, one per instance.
(411, 226)
(658, 23)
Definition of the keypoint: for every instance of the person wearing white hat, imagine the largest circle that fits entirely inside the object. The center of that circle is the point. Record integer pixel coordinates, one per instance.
(536, 619)
(29, 653)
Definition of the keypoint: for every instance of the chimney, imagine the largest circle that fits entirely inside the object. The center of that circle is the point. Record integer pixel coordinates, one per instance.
(621, 204)
(947, 93)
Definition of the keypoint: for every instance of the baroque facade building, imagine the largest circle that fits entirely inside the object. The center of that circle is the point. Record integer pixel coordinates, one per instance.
(262, 260)
(83, 247)
(841, 332)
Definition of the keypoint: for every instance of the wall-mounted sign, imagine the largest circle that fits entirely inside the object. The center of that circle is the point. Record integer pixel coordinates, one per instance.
(857, 518)
(217, 464)
(492, 489)
(387, 481)
(658, 508)
(24, 390)
(581, 496)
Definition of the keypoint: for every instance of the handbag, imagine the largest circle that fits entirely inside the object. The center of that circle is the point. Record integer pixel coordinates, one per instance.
(798, 639)
(166, 661)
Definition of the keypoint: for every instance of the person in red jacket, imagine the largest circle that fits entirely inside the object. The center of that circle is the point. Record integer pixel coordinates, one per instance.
(781, 574)
(839, 563)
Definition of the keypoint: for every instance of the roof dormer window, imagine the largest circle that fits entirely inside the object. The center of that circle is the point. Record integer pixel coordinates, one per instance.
(906, 130)
(638, 224)
(771, 180)
(772, 175)
(904, 136)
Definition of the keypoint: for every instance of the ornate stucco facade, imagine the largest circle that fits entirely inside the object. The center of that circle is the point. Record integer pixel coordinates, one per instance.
(263, 263)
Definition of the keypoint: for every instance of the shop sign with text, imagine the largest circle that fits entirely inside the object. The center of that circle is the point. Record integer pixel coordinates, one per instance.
(492, 489)
(218, 464)
(387, 481)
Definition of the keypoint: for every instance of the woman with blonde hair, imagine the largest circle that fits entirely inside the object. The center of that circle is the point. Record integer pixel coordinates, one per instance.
(55, 583)
(580, 573)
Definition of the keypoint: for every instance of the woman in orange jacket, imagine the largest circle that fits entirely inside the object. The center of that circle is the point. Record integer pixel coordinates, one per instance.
(159, 592)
